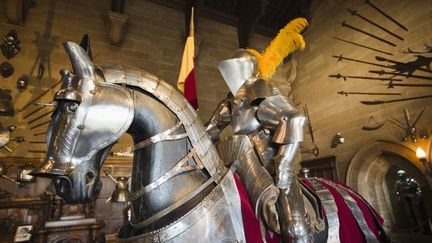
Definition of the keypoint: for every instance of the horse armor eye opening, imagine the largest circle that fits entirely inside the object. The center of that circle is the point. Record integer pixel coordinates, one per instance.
(89, 178)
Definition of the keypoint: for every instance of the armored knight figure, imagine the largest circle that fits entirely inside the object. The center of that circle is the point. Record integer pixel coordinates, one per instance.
(270, 128)
(409, 193)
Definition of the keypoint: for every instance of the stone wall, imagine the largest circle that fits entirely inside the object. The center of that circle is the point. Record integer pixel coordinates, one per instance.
(154, 41)
(331, 113)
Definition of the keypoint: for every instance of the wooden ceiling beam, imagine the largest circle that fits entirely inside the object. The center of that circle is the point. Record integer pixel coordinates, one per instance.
(218, 16)
(248, 19)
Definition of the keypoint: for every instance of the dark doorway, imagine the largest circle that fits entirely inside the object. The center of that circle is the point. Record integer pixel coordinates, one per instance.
(407, 198)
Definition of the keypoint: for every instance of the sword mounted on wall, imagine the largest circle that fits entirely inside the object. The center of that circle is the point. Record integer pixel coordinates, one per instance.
(314, 151)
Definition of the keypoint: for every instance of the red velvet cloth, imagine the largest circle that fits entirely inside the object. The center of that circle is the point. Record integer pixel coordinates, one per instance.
(349, 230)
(250, 221)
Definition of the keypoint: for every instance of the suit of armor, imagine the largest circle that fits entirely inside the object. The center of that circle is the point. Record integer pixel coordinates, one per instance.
(408, 191)
(269, 120)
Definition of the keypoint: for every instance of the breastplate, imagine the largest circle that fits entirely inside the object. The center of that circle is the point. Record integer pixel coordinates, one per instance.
(265, 149)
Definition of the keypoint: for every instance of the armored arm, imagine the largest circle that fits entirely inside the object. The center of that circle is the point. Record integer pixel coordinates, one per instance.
(397, 189)
(279, 113)
(221, 118)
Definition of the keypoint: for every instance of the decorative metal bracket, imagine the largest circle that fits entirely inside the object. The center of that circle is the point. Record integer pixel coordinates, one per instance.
(16, 11)
(117, 26)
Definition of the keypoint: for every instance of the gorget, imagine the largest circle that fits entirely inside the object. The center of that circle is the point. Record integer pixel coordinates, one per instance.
(216, 219)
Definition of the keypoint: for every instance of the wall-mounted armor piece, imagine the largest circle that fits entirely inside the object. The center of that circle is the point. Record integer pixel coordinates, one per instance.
(6, 69)
(410, 196)
(22, 82)
(6, 106)
(5, 137)
(10, 46)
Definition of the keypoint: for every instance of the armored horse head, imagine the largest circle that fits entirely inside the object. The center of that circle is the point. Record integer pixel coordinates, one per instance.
(177, 173)
(80, 135)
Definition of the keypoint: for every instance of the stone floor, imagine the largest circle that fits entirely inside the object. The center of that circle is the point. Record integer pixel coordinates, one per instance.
(411, 238)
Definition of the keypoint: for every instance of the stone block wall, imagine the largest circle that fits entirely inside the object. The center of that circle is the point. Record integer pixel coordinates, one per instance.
(332, 113)
(154, 42)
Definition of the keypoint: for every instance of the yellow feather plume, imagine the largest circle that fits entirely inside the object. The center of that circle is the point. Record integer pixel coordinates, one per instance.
(287, 41)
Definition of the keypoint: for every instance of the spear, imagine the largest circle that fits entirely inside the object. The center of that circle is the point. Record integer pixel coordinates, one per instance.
(355, 13)
(364, 46)
(346, 93)
(378, 102)
(385, 15)
(345, 77)
(344, 24)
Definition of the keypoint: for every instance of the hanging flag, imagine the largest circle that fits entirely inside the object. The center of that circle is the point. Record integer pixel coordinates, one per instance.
(186, 81)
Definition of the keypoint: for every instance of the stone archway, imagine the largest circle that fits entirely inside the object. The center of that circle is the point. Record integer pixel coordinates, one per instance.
(368, 169)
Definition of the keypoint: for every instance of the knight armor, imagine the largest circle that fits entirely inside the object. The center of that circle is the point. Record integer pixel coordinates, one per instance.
(273, 128)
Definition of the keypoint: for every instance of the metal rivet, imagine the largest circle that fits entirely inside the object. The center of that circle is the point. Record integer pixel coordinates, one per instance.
(81, 126)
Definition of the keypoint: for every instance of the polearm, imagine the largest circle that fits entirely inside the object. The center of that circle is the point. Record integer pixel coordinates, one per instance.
(378, 102)
(345, 77)
(368, 2)
(355, 13)
(346, 93)
(382, 72)
(361, 45)
(344, 24)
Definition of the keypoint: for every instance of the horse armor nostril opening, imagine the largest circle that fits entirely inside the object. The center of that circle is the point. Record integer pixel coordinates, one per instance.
(89, 178)
(62, 186)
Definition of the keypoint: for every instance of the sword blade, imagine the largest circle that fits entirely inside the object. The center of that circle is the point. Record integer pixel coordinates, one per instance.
(309, 123)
